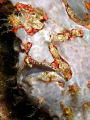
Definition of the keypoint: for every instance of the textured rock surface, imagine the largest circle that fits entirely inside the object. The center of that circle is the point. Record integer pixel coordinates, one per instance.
(46, 89)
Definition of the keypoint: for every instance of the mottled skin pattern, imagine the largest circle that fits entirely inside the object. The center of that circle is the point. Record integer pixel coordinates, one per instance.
(43, 50)
(30, 19)
(86, 16)
(26, 13)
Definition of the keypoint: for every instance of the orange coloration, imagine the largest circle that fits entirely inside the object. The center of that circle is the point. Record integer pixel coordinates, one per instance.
(27, 47)
(74, 17)
(16, 23)
(26, 7)
(85, 105)
(87, 4)
(15, 30)
(31, 34)
(55, 46)
(74, 89)
(88, 84)
(28, 60)
(14, 20)
(81, 33)
(69, 73)
(68, 113)
(41, 100)
(57, 59)
(88, 26)
(61, 84)
(55, 64)
(1, 1)
(45, 17)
